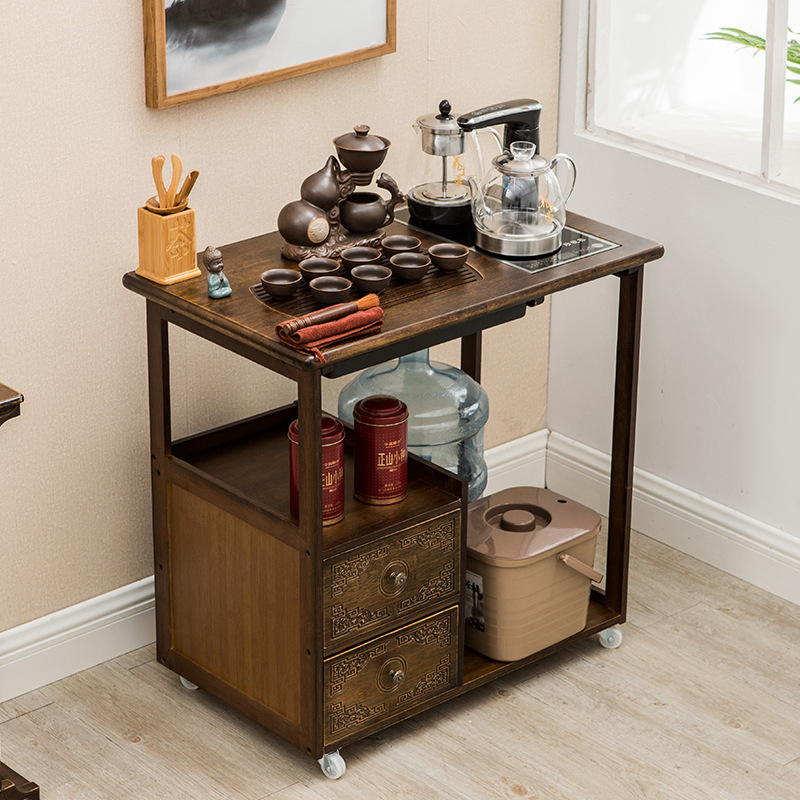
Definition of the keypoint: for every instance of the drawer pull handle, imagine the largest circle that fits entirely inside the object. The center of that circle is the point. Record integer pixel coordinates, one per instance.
(399, 579)
(397, 676)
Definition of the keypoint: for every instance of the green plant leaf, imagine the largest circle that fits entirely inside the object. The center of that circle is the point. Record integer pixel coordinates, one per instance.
(757, 43)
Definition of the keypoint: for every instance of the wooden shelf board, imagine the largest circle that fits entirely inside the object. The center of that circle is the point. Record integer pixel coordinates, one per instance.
(257, 466)
(479, 670)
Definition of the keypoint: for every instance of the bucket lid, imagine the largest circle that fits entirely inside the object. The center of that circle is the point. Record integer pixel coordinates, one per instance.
(525, 522)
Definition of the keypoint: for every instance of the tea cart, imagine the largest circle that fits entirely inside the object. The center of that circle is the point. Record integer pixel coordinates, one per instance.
(325, 635)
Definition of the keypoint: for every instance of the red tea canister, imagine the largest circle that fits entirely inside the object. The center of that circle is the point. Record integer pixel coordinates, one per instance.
(381, 449)
(332, 470)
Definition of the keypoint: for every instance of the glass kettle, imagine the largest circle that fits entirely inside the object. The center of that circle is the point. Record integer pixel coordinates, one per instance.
(519, 208)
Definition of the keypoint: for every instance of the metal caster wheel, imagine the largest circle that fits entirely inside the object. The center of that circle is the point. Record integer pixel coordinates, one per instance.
(332, 765)
(188, 684)
(610, 638)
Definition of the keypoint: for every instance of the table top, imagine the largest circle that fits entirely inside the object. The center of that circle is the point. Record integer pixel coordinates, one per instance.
(9, 396)
(440, 308)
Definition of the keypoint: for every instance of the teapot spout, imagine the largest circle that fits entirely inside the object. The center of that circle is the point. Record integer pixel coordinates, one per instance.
(388, 182)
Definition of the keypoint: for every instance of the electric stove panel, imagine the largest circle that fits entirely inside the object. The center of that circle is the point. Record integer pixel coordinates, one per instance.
(575, 244)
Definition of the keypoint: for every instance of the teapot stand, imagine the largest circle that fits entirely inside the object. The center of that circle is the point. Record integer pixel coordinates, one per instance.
(339, 239)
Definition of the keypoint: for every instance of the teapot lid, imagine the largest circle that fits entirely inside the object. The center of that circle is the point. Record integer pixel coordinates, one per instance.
(522, 161)
(443, 123)
(361, 139)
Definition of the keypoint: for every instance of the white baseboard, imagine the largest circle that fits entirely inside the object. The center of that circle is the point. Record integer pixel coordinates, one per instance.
(53, 647)
(715, 534)
(61, 644)
(520, 462)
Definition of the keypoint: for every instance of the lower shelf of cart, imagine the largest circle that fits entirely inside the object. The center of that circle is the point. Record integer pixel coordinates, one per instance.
(479, 670)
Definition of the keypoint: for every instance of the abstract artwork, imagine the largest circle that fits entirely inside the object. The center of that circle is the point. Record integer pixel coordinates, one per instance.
(199, 48)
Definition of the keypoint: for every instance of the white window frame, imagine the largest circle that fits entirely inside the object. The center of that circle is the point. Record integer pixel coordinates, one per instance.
(769, 179)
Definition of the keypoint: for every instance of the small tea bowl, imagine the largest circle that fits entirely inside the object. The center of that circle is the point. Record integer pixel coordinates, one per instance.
(448, 257)
(317, 266)
(410, 266)
(356, 256)
(371, 278)
(281, 282)
(330, 289)
(397, 243)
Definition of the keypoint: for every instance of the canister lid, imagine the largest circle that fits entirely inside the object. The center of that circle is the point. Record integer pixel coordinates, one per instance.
(524, 523)
(380, 409)
(332, 430)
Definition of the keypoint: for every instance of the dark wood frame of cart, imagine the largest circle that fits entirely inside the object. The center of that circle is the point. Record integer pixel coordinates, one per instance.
(241, 325)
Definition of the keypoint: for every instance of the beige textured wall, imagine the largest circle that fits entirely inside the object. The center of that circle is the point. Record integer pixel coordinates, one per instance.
(75, 164)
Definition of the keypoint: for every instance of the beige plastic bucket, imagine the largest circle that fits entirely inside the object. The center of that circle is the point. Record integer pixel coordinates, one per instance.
(530, 557)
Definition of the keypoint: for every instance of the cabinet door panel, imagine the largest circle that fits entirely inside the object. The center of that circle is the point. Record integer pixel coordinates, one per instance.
(375, 587)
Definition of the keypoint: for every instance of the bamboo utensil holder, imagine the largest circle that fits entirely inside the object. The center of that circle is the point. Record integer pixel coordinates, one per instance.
(167, 246)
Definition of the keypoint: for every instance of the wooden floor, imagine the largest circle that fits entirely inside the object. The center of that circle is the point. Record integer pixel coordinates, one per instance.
(702, 700)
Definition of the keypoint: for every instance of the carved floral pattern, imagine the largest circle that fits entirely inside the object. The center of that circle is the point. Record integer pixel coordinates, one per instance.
(439, 631)
(344, 571)
(441, 536)
(346, 668)
(436, 587)
(431, 681)
(343, 620)
(342, 718)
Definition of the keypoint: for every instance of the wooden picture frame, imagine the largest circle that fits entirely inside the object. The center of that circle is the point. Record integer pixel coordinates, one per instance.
(200, 48)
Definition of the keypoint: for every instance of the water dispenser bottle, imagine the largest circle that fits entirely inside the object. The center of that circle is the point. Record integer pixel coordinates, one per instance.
(447, 412)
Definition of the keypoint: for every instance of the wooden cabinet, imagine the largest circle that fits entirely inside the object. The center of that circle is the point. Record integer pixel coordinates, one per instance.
(325, 634)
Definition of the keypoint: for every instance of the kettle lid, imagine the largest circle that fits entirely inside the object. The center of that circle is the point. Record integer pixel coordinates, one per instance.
(522, 161)
(441, 124)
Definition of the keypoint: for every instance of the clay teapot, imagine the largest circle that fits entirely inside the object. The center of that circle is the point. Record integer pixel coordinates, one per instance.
(363, 212)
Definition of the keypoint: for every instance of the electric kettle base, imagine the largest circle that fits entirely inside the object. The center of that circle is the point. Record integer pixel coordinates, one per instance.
(454, 213)
(518, 246)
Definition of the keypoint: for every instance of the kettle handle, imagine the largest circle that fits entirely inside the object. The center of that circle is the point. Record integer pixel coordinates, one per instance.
(573, 171)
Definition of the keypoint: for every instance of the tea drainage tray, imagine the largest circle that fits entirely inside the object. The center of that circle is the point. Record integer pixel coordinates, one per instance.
(397, 292)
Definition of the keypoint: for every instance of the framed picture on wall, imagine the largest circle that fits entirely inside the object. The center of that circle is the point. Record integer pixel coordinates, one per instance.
(199, 48)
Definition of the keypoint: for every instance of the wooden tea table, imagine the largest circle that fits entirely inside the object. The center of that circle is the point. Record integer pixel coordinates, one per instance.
(301, 626)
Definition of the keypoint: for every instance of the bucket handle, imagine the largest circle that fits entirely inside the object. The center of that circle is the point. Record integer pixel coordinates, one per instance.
(579, 566)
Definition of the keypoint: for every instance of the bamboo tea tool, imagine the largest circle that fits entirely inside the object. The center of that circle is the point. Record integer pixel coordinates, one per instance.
(330, 314)
(167, 238)
(188, 185)
(161, 190)
(177, 167)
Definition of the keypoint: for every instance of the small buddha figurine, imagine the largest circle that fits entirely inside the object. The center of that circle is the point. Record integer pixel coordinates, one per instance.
(218, 285)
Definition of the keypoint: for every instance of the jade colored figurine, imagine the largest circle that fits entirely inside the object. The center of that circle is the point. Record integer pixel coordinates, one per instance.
(218, 285)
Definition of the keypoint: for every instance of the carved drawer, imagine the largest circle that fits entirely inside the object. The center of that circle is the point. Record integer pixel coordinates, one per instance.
(386, 677)
(379, 586)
